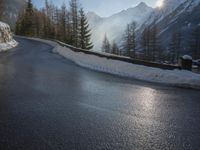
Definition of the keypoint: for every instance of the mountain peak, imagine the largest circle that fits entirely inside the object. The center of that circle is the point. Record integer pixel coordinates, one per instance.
(142, 5)
(93, 15)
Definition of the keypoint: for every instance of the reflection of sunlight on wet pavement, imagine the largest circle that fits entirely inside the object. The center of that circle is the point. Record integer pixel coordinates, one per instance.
(148, 99)
(145, 99)
(145, 109)
(146, 116)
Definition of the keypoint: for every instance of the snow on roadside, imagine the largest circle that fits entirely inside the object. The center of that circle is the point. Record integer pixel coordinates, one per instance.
(8, 45)
(6, 39)
(181, 78)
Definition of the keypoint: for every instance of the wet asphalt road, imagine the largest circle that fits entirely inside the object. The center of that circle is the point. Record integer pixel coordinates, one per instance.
(49, 103)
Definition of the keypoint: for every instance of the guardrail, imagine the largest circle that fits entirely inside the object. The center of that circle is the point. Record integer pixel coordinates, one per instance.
(116, 57)
(120, 58)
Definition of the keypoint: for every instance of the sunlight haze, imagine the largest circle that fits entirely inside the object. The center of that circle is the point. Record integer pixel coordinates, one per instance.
(160, 3)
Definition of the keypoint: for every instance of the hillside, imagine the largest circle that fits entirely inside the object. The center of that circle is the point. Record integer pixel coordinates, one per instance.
(183, 18)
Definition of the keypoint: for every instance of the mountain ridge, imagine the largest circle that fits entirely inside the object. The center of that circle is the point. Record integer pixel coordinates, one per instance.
(184, 19)
(116, 22)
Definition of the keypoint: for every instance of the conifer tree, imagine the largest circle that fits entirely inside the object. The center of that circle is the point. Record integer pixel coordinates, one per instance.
(129, 44)
(115, 48)
(18, 24)
(2, 4)
(62, 21)
(146, 42)
(195, 43)
(154, 43)
(106, 45)
(49, 29)
(84, 32)
(29, 20)
(39, 22)
(74, 21)
(175, 46)
(151, 43)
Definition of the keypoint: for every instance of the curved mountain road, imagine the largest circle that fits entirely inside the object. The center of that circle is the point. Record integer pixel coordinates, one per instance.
(49, 103)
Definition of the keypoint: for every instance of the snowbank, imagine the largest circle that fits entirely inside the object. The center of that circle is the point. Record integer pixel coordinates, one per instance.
(6, 39)
(175, 77)
(187, 57)
(181, 78)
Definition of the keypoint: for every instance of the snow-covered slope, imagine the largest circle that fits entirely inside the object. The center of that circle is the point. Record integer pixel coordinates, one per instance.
(159, 13)
(6, 39)
(115, 25)
(185, 18)
(175, 15)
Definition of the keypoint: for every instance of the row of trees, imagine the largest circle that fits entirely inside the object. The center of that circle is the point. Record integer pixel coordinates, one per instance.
(175, 47)
(128, 46)
(149, 42)
(153, 49)
(195, 43)
(151, 45)
(177, 40)
(70, 26)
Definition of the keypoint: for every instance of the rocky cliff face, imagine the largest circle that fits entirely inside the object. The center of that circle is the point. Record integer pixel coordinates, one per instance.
(5, 33)
(6, 38)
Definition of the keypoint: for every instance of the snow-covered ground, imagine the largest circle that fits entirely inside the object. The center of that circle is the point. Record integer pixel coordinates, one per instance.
(6, 39)
(181, 78)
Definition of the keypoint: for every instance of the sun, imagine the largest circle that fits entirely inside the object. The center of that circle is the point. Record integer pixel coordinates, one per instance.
(160, 3)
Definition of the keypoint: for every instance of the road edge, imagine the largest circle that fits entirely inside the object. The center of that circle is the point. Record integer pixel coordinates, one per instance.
(178, 78)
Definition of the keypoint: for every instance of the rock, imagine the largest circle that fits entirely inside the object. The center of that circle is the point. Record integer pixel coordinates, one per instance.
(6, 38)
(5, 33)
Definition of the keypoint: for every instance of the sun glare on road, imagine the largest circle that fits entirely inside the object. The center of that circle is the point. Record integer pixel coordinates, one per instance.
(146, 99)
(160, 3)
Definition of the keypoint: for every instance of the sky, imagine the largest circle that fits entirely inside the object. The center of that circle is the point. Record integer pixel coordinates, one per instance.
(103, 8)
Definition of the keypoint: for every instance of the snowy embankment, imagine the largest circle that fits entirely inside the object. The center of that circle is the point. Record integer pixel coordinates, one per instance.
(6, 39)
(181, 78)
